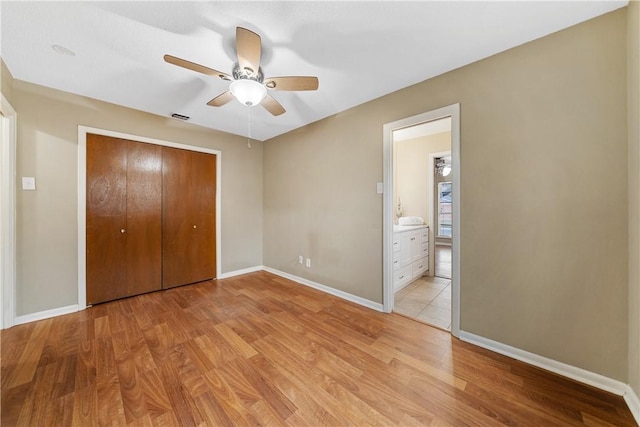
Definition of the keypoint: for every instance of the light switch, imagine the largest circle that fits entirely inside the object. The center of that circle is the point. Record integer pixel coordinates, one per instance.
(379, 188)
(28, 183)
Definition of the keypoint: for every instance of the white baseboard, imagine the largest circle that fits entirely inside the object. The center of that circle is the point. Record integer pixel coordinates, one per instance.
(329, 290)
(239, 272)
(633, 403)
(581, 375)
(45, 314)
(578, 374)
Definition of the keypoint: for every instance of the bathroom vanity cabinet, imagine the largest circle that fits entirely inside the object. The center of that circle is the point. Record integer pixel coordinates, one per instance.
(410, 254)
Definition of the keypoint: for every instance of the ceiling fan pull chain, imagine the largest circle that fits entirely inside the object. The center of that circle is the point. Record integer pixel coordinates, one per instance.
(249, 131)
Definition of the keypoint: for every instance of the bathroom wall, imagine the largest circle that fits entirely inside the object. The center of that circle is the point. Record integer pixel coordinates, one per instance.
(412, 177)
(6, 81)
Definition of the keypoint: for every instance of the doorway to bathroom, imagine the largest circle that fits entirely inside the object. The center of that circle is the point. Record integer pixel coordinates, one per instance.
(421, 211)
(422, 194)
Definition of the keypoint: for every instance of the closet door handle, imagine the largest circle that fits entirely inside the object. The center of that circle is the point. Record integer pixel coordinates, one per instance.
(122, 230)
(195, 226)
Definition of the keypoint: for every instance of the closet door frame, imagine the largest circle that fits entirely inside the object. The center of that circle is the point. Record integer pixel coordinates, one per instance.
(82, 197)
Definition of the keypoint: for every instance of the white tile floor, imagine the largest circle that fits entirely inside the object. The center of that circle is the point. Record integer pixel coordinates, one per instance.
(428, 299)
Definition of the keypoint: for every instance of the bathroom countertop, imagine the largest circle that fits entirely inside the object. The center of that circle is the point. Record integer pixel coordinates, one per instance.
(408, 227)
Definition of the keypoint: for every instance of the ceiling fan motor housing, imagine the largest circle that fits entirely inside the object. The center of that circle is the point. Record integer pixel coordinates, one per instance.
(247, 73)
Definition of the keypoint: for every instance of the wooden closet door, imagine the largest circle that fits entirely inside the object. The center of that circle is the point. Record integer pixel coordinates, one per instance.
(203, 214)
(106, 218)
(124, 208)
(144, 218)
(188, 239)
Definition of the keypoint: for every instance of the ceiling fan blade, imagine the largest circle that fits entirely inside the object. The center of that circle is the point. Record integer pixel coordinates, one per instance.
(221, 99)
(248, 49)
(272, 106)
(196, 67)
(292, 83)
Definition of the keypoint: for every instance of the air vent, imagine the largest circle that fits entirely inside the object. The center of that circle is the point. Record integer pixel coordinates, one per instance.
(180, 116)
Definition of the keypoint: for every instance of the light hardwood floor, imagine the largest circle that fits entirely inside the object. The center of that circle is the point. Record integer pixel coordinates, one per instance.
(261, 350)
(443, 261)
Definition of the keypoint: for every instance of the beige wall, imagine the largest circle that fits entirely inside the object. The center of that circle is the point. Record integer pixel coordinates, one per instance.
(6, 81)
(412, 177)
(47, 218)
(544, 253)
(633, 114)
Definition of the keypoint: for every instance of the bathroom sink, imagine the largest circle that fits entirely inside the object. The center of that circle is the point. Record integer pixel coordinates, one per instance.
(410, 220)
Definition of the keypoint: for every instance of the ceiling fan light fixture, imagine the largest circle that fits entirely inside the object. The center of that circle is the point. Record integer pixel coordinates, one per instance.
(248, 92)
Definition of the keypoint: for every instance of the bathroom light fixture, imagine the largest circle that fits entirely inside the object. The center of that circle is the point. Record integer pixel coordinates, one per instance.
(248, 92)
(442, 166)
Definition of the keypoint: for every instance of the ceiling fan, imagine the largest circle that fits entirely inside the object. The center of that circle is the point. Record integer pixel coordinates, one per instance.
(248, 84)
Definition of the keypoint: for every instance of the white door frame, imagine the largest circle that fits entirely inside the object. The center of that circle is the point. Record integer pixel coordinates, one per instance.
(82, 198)
(452, 111)
(8, 128)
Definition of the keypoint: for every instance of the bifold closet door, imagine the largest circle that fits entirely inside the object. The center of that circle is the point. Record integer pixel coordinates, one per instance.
(189, 234)
(124, 208)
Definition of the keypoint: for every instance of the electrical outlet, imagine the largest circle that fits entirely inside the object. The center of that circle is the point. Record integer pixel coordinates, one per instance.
(300, 259)
(308, 262)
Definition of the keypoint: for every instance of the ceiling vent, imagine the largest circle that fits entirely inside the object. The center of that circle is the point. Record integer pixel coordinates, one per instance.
(180, 116)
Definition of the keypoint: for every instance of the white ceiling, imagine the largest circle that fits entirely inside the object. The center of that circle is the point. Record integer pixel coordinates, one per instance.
(358, 50)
